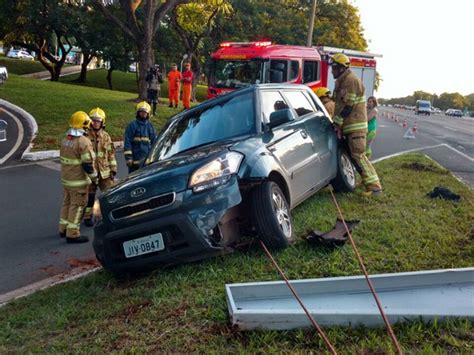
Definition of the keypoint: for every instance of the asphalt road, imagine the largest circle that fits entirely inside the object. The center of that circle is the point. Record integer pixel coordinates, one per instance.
(31, 250)
(13, 132)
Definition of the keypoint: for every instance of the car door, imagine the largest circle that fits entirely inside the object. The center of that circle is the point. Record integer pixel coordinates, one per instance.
(317, 130)
(290, 144)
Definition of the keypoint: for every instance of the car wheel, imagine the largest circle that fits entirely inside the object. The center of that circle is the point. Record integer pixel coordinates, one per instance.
(271, 216)
(345, 180)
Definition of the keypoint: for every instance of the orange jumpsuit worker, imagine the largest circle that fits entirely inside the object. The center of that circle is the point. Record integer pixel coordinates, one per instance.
(187, 85)
(174, 80)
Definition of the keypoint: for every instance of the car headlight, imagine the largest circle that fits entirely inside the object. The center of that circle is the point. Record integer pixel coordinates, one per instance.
(216, 172)
(96, 212)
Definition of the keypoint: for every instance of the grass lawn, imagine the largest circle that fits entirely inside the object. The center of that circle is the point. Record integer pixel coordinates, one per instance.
(21, 66)
(183, 309)
(53, 103)
(122, 81)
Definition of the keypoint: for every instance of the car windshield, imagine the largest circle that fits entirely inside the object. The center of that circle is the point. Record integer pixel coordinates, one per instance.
(235, 74)
(227, 119)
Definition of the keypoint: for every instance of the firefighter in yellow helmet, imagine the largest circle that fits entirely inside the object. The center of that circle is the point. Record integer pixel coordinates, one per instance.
(77, 173)
(105, 163)
(350, 119)
(325, 96)
(139, 137)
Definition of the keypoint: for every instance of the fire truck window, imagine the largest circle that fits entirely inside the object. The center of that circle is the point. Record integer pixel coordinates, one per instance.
(271, 101)
(299, 102)
(278, 71)
(294, 69)
(310, 71)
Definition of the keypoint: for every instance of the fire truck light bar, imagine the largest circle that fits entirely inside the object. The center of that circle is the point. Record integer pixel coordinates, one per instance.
(246, 44)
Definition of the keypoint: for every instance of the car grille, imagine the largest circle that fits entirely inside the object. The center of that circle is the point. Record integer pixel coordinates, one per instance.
(144, 206)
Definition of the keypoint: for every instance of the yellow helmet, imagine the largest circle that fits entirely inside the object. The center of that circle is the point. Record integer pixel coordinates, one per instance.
(143, 106)
(340, 59)
(97, 114)
(322, 91)
(80, 120)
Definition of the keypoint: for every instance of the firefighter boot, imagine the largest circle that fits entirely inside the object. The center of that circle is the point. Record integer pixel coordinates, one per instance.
(370, 193)
(154, 108)
(77, 240)
(62, 234)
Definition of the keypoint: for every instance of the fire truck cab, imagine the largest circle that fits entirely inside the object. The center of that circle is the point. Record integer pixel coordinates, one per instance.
(238, 64)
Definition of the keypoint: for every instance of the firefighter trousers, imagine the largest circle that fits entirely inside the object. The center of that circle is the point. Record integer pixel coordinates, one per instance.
(74, 203)
(104, 185)
(187, 89)
(357, 147)
(174, 96)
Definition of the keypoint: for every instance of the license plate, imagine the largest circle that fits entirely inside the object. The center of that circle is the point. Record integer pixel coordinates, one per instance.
(144, 245)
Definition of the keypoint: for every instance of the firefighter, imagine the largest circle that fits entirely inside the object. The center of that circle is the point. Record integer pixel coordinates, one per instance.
(372, 123)
(77, 173)
(105, 163)
(350, 119)
(139, 137)
(174, 80)
(187, 85)
(325, 96)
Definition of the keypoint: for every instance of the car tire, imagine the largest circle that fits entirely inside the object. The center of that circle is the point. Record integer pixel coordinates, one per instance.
(271, 216)
(345, 180)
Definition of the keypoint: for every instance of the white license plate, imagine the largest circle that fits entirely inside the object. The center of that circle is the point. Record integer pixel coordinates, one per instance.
(144, 245)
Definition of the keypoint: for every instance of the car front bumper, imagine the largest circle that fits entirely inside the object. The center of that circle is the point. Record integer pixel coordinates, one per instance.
(185, 226)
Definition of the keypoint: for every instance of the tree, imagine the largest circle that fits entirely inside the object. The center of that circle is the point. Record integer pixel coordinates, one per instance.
(139, 21)
(42, 27)
(193, 22)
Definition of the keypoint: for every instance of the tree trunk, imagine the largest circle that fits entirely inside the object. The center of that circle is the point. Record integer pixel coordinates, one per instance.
(87, 59)
(145, 61)
(196, 66)
(109, 77)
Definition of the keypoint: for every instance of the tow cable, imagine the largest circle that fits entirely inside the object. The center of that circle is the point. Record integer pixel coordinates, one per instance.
(316, 326)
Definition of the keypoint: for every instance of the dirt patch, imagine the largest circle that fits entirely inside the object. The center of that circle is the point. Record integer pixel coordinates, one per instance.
(82, 263)
(51, 270)
(416, 166)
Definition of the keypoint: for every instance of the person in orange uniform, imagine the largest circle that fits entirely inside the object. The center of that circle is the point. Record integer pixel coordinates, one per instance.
(174, 80)
(187, 85)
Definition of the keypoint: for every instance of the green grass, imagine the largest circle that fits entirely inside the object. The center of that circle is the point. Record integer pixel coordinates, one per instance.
(53, 103)
(122, 81)
(21, 66)
(183, 309)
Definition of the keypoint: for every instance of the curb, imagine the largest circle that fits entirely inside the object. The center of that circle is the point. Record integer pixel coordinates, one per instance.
(33, 126)
(52, 154)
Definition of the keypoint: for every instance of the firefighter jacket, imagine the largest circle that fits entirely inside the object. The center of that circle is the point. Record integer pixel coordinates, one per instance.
(103, 146)
(174, 79)
(77, 162)
(350, 111)
(329, 105)
(139, 137)
(187, 77)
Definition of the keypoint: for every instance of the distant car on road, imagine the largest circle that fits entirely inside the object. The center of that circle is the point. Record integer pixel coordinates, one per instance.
(132, 68)
(19, 54)
(453, 112)
(3, 75)
(232, 166)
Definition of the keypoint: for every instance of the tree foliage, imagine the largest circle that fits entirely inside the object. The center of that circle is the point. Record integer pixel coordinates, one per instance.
(443, 101)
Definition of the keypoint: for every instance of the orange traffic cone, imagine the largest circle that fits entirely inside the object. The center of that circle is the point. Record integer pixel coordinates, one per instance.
(414, 128)
(405, 123)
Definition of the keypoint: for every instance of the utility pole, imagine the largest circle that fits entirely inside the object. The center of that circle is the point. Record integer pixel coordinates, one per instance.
(309, 39)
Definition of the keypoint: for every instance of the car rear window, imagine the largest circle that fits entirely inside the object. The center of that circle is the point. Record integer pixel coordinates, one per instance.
(271, 101)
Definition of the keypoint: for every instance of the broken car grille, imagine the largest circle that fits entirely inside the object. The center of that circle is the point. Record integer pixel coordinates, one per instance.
(144, 206)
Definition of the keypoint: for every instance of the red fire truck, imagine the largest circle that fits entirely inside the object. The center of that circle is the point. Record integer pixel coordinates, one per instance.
(239, 64)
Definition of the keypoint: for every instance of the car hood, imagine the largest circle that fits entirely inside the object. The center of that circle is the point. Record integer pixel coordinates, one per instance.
(170, 175)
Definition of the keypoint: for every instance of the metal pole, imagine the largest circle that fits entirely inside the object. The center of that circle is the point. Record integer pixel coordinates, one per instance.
(309, 39)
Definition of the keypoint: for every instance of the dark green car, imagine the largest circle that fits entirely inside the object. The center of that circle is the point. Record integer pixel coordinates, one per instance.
(233, 166)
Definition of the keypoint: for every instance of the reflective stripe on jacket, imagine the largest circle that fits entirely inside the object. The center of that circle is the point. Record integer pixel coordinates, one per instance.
(349, 91)
(74, 152)
(139, 137)
(104, 150)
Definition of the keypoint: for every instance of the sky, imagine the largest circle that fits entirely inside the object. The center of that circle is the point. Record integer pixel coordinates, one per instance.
(426, 44)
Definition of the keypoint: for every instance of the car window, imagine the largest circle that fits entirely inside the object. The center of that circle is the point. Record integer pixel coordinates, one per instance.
(271, 101)
(278, 71)
(228, 119)
(299, 102)
(310, 71)
(294, 68)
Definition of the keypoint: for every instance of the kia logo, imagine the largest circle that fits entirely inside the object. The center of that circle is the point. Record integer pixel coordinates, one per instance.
(138, 192)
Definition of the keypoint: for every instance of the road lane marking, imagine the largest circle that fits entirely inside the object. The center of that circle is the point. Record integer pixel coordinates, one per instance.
(18, 140)
(50, 165)
(451, 129)
(460, 153)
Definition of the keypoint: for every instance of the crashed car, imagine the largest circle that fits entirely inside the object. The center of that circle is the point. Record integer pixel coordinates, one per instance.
(230, 167)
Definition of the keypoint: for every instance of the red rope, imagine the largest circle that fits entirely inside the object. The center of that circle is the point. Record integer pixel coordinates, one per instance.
(311, 318)
(372, 289)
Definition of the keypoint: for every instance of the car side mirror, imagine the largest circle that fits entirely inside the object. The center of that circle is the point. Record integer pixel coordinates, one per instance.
(280, 117)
